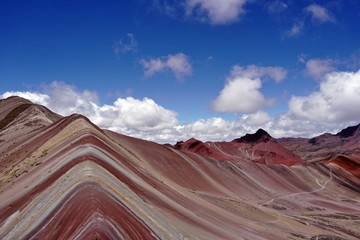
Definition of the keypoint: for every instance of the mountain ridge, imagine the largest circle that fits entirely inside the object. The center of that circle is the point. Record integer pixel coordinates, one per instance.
(259, 135)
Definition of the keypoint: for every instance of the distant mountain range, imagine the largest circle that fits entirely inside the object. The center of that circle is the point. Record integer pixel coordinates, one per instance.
(65, 178)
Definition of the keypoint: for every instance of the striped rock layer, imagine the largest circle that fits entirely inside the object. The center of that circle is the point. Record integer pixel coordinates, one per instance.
(65, 178)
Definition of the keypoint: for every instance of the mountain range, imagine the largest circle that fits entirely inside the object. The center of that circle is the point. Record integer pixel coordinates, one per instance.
(62, 177)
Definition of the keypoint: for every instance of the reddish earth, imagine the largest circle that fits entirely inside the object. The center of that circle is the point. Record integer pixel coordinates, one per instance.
(65, 178)
(259, 147)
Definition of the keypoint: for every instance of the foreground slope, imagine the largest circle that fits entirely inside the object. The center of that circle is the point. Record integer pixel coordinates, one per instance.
(69, 179)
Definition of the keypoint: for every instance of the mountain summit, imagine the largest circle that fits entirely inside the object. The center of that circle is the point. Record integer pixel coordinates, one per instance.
(260, 135)
(349, 132)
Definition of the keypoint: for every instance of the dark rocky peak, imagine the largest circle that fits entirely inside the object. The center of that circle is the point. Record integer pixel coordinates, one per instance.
(260, 135)
(349, 131)
(188, 144)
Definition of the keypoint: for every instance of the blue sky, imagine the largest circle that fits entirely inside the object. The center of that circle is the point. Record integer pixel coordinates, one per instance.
(168, 70)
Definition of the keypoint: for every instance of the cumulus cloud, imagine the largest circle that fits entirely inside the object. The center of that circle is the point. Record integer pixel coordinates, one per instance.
(337, 100)
(66, 99)
(257, 119)
(214, 11)
(333, 107)
(241, 92)
(130, 113)
(125, 45)
(125, 115)
(178, 64)
(319, 13)
(318, 68)
(290, 125)
(211, 129)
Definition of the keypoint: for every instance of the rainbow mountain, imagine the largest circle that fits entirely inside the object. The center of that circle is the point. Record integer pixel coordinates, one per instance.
(66, 178)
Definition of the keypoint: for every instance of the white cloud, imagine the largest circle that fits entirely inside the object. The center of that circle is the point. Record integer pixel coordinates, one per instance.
(66, 99)
(210, 126)
(290, 125)
(131, 113)
(332, 108)
(318, 68)
(241, 92)
(296, 29)
(178, 64)
(211, 129)
(337, 100)
(129, 44)
(153, 66)
(252, 71)
(257, 119)
(276, 7)
(319, 13)
(215, 11)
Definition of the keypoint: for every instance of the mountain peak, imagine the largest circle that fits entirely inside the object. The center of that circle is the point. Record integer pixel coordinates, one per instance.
(349, 131)
(188, 144)
(16, 99)
(260, 134)
(24, 112)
